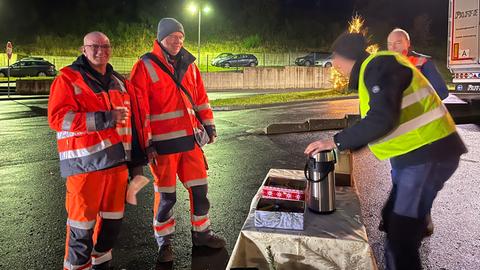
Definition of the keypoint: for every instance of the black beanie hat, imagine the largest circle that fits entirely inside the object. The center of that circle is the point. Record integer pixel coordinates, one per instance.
(350, 45)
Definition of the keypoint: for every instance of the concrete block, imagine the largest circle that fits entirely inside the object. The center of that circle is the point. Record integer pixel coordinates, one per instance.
(327, 124)
(286, 128)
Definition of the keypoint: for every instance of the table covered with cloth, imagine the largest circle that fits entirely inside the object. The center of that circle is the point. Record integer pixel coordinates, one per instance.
(333, 241)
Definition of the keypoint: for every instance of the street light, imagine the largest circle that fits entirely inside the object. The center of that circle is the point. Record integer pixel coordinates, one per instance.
(197, 8)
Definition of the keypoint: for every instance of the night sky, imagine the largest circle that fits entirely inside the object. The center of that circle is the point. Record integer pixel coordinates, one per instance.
(23, 20)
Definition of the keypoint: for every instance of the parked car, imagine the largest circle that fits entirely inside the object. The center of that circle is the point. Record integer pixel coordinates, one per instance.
(220, 57)
(237, 60)
(310, 58)
(324, 62)
(30, 66)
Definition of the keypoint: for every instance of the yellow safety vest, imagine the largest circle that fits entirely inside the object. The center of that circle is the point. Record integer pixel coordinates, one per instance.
(423, 117)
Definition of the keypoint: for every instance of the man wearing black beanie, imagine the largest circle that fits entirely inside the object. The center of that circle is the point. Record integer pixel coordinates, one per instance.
(403, 120)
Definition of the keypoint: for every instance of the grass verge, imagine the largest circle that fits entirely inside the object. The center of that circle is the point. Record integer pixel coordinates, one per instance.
(264, 99)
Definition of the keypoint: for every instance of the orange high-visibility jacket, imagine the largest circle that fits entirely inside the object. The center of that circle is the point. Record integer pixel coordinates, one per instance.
(172, 118)
(88, 139)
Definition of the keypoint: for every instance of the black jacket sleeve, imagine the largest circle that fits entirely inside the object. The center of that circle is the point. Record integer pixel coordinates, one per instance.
(386, 80)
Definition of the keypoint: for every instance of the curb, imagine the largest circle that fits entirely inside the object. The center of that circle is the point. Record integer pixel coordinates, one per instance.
(257, 106)
(18, 97)
(312, 125)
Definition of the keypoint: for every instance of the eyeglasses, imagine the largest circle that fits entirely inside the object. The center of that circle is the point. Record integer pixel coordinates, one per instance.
(180, 38)
(97, 47)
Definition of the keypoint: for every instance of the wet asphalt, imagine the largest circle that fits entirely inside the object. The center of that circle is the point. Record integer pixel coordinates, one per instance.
(32, 193)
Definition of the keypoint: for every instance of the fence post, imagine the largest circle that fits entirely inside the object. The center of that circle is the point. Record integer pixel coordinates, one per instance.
(208, 62)
(264, 60)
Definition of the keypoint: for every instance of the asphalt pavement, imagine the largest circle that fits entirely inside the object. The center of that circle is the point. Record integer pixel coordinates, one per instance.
(32, 216)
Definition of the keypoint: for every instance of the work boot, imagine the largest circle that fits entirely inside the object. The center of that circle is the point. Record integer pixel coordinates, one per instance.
(208, 239)
(429, 229)
(165, 253)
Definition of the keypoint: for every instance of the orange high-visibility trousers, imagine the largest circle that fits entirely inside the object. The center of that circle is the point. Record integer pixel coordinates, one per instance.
(190, 166)
(95, 204)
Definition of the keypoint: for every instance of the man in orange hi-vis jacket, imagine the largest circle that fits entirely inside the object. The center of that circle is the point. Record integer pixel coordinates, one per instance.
(181, 121)
(102, 130)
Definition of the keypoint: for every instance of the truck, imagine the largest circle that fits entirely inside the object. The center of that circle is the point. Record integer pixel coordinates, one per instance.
(463, 45)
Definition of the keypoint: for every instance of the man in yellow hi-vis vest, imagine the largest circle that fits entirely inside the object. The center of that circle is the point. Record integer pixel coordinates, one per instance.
(403, 120)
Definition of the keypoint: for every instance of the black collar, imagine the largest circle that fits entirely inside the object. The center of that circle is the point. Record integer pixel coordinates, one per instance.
(355, 73)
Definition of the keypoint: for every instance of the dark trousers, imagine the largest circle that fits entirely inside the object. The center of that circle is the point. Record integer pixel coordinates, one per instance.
(413, 192)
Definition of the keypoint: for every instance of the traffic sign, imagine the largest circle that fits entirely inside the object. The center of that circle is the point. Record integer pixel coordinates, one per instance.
(9, 50)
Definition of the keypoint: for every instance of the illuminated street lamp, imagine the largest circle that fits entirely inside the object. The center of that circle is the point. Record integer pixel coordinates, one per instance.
(199, 8)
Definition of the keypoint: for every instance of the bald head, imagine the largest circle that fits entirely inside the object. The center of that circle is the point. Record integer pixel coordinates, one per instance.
(398, 41)
(97, 50)
(95, 36)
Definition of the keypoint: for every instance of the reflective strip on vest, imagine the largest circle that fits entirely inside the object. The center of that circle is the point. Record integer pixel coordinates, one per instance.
(82, 152)
(99, 258)
(83, 225)
(171, 189)
(90, 121)
(195, 182)
(204, 106)
(67, 134)
(127, 146)
(151, 70)
(111, 215)
(69, 266)
(416, 96)
(170, 135)
(68, 120)
(415, 123)
(167, 116)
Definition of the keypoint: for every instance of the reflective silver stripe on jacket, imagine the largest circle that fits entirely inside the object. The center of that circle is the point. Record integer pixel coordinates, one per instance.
(122, 86)
(111, 215)
(416, 96)
(83, 225)
(68, 134)
(196, 182)
(82, 152)
(415, 123)
(151, 70)
(124, 131)
(166, 116)
(90, 121)
(204, 106)
(170, 135)
(76, 89)
(68, 120)
(191, 111)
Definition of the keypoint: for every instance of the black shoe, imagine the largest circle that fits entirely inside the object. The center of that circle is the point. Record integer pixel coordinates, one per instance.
(208, 239)
(165, 254)
(102, 266)
(429, 228)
